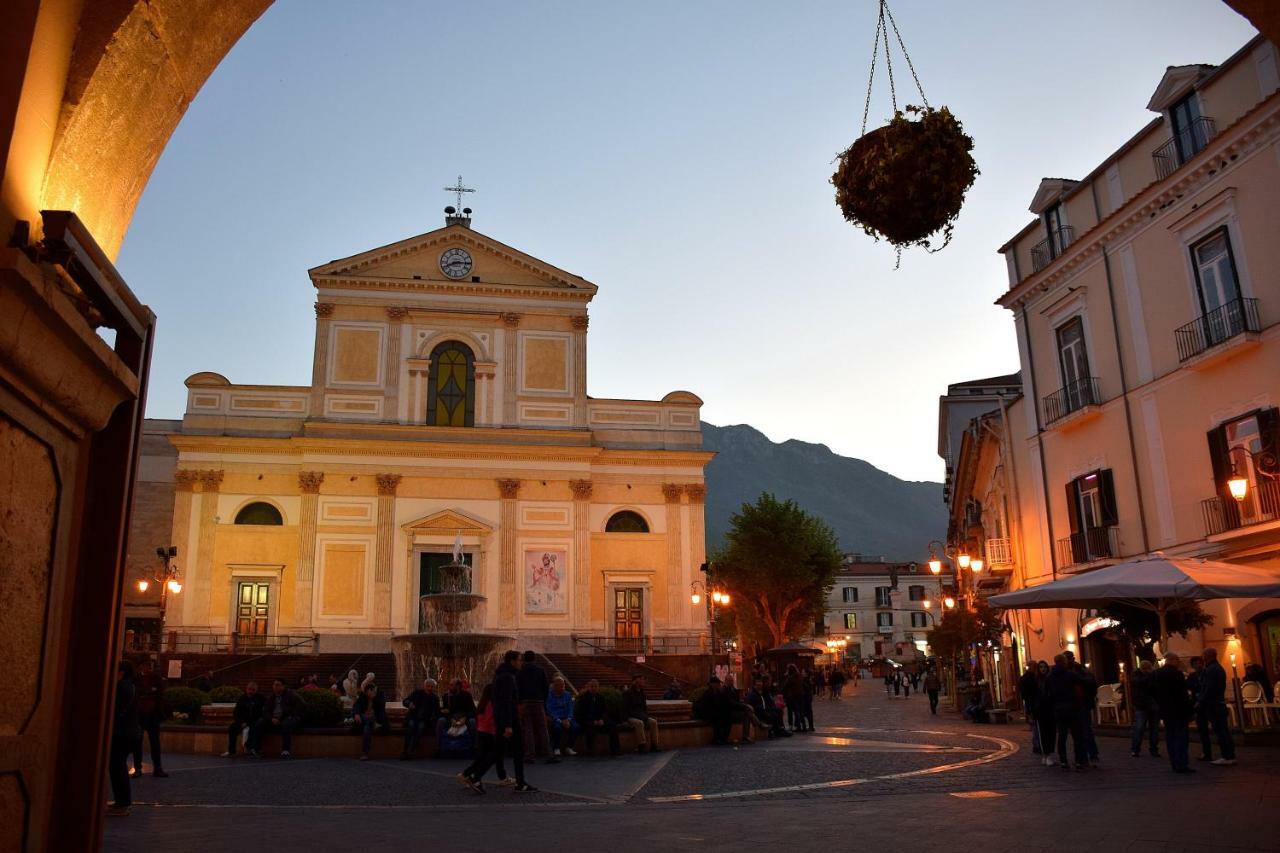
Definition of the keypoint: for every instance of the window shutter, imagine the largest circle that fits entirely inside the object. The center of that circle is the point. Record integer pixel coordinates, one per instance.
(1107, 488)
(1220, 457)
(1073, 507)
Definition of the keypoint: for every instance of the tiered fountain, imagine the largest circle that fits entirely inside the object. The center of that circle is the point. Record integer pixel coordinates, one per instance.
(449, 646)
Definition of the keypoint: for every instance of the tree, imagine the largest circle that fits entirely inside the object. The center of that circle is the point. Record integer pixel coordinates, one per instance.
(959, 629)
(1142, 625)
(780, 562)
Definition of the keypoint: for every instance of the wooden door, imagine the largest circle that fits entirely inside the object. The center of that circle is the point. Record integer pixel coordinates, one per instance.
(253, 611)
(628, 618)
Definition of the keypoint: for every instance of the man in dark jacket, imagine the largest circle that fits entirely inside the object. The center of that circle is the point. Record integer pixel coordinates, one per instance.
(1175, 709)
(713, 707)
(1029, 692)
(1087, 691)
(1146, 713)
(635, 709)
(150, 688)
(422, 708)
(506, 715)
(458, 704)
(762, 707)
(1211, 703)
(1194, 678)
(248, 711)
(124, 732)
(281, 712)
(594, 718)
(533, 686)
(1062, 692)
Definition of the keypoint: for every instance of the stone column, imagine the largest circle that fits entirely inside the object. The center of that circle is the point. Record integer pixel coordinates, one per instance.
(419, 371)
(396, 315)
(675, 553)
(486, 372)
(581, 554)
(579, 370)
(202, 584)
(320, 366)
(508, 589)
(697, 494)
(387, 484)
(510, 355)
(309, 484)
(184, 483)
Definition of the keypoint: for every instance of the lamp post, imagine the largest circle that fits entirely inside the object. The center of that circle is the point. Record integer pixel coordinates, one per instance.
(716, 598)
(169, 580)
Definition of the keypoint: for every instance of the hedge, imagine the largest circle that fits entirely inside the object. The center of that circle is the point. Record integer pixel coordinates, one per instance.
(226, 693)
(320, 708)
(186, 701)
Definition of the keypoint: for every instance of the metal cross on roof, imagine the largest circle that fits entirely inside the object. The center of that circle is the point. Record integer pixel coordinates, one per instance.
(458, 190)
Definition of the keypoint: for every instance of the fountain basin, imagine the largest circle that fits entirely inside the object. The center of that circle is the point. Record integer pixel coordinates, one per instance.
(445, 656)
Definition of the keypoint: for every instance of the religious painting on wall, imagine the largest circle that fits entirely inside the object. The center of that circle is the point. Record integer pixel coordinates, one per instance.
(544, 577)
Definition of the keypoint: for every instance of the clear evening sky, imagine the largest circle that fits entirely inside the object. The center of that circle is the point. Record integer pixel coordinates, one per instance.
(677, 154)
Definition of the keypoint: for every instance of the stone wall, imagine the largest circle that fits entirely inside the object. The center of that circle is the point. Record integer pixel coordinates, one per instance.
(151, 525)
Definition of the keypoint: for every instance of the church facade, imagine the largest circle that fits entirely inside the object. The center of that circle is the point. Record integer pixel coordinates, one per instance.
(448, 403)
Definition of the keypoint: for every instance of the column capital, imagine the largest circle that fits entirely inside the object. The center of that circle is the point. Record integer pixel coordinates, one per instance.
(672, 492)
(185, 479)
(324, 309)
(508, 489)
(511, 320)
(387, 483)
(579, 321)
(309, 482)
(210, 481)
(581, 489)
(697, 492)
(397, 312)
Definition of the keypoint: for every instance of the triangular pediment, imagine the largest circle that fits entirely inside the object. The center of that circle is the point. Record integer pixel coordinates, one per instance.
(1049, 192)
(1177, 81)
(417, 259)
(447, 521)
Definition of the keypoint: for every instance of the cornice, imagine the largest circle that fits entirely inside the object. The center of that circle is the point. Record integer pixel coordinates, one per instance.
(1251, 132)
(469, 288)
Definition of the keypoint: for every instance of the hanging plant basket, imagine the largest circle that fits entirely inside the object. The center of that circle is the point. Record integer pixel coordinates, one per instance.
(905, 182)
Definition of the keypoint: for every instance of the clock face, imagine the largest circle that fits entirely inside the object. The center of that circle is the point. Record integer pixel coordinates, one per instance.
(455, 263)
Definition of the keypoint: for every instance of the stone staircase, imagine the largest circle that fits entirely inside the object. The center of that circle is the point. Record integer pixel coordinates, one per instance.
(239, 669)
(609, 670)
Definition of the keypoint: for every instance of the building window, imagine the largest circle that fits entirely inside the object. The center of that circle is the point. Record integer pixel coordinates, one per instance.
(884, 620)
(451, 386)
(626, 521)
(850, 621)
(850, 594)
(1218, 289)
(883, 598)
(259, 512)
(1248, 446)
(915, 593)
(1056, 233)
(1073, 360)
(1190, 135)
(919, 620)
(1091, 509)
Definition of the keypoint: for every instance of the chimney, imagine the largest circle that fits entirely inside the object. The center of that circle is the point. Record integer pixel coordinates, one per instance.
(452, 217)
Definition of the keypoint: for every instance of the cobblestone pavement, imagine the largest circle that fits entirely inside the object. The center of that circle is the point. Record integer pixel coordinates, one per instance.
(878, 771)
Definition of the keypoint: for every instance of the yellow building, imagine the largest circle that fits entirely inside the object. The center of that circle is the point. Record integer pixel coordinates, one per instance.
(1147, 307)
(448, 399)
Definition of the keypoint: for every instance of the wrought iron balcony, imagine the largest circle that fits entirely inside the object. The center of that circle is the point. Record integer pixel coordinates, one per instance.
(1234, 318)
(999, 553)
(1261, 505)
(1089, 545)
(1043, 253)
(1070, 398)
(1183, 145)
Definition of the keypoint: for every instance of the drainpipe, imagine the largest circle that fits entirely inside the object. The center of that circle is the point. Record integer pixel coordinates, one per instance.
(1124, 382)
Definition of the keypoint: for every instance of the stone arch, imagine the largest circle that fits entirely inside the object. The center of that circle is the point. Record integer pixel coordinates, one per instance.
(434, 340)
(618, 510)
(271, 502)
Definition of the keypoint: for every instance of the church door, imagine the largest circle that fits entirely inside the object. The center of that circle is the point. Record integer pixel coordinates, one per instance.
(253, 610)
(628, 619)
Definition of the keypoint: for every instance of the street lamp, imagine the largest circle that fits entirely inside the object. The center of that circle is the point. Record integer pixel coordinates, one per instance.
(696, 589)
(169, 578)
(1238, 483)
(975, 565)
(935, 562)
(963, 559)
(949, 603)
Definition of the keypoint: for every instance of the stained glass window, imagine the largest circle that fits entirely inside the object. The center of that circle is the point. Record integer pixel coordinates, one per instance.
(451, 386)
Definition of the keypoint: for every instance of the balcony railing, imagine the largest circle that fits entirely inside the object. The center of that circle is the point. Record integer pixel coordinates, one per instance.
(1219, 325)
(1070, 398)
(999, 553)
(1090, 544)
(1043, 253)
(1183, 145)
(1260, 505)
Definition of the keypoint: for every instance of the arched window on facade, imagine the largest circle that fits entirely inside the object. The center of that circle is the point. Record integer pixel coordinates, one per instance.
(451, 386)
(626, 521)
(259, 512)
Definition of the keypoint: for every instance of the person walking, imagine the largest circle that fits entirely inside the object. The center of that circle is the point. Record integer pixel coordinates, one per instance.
(1175, 709)
(533, 686)
(125, 731)
(1194, 678)
(1211, 703)
(932, 684)
(793, 696)
(837, 683)
(1062, 687)
(506, 717)
(487, 752)
(1087, 688)
(1029, 693)
(150, 687)
(1146, 713)
(1046, 724)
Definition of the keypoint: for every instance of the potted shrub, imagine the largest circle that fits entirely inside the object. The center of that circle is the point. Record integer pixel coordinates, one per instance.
(905, 182)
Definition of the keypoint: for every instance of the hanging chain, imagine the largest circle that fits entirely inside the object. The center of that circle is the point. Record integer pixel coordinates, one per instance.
(885, 10)
(875, 52)
(888, 60)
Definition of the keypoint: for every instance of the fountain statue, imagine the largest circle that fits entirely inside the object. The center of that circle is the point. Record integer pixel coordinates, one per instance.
(448, 644)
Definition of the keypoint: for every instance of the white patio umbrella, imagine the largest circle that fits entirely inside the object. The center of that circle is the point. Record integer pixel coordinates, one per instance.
(1156, 583)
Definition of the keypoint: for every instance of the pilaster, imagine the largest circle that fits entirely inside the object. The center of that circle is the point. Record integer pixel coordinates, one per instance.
(419, 371)
(581, 553)
(309, 485)
(395, 315)
(320, 364)
(697, 494)
(672, 492)
(510, 355)
(202, 584)
(580, 370)
(184, 485)
(508, 593)
(387, 485)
